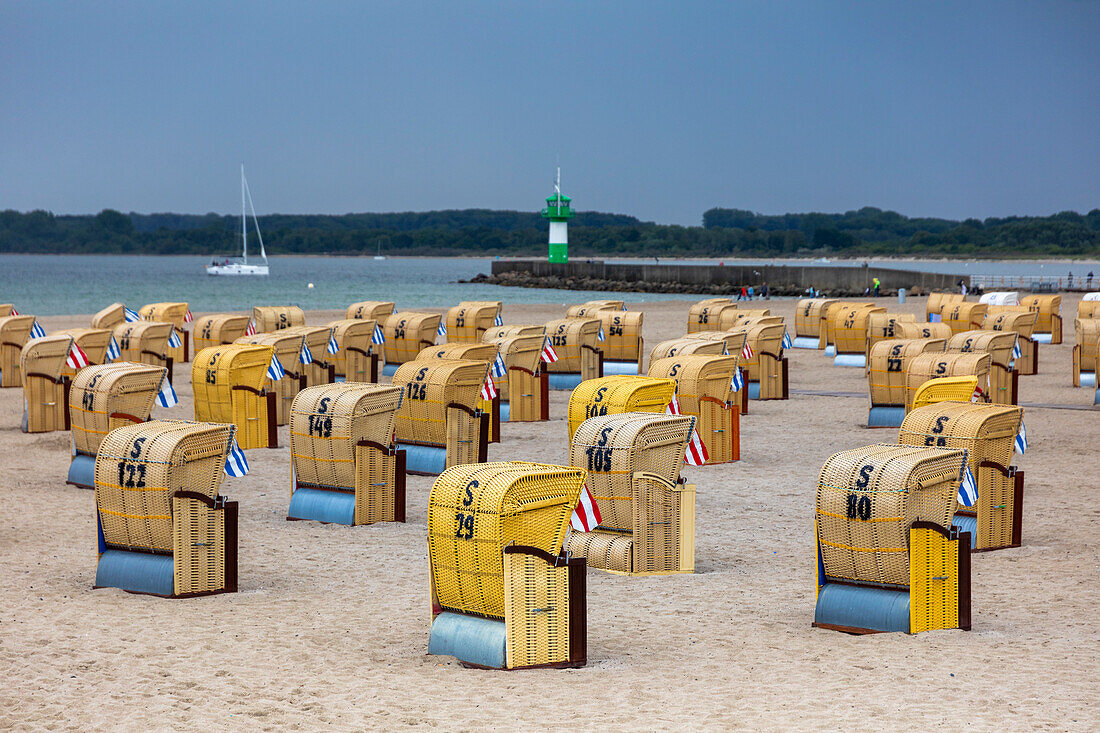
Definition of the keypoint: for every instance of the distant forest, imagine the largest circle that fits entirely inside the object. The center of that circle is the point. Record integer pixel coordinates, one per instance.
(725, 233)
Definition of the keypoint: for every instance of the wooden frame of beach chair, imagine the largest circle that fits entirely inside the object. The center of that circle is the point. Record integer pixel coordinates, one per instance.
(1022, 321)
(503, 594)
(703, 316)
(703, 391)
(178, 540)
(407, 334)
(356, 361)
(886, 368)
(322, 368)
(287, 347)
(468, 321)
(647, 511)
(5, 309)
(768, 370)
(438, 423)
(218, 329)
(618, 394)
(887, 556)
(472, 351)
(810, 316)
(936, 301)
(987, 433)
(345, 467)
(45, 387)
(525, 394)
(228, 382)
(580, 356)
(1004, 380)
(145, 342)
(174, 313)
(932, 366)
(14, 333)
(370, 310)
(268, 318)
(103, 397)
(110, 317)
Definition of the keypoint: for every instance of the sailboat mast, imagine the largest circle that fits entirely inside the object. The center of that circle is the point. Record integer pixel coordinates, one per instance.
(259, 234)
(244, 222)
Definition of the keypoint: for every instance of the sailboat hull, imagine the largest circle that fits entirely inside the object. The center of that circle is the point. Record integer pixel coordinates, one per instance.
(233, 269)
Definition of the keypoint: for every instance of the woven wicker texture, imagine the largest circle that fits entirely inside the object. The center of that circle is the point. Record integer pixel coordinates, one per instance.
(353, 336)
(731, 318)
(998, 344)
(521, 355)
(616, 395)
(429, 387)
(370, 310)
(221, 328)
(107, 396)
(882, 326)
(944, 389)
(468, 321)
(139, 467)
(766, 342)
(963, 316)
(703, 316)
(1047, 310)
(5, 309)
(692, 344)
(14, 332)
(287, 346)
(697, 376)
(924, 367)
(475, 510)
(810, 314)
(590, 308)
(326, 425)
(270, 318)
(867, 499)
(198, 547)
(906, 330)
(407, 333)
(887, 364)
(936, 302)
(1085, 309)
(576, 341)
(92, 341)
(42, 361)
(1086, 332)
(173, 313)
(469, 351)
(1020, 321)
(986, 433)
(499, 332)
(734, 340)
(110, 316)
(536, 600)
(847, 325)
(228, 381)
(623, 333)
(316, 338)
(144, 342)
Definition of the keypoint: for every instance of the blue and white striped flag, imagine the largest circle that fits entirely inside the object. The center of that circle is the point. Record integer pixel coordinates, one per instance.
(113, 352)
(305, 355)
(1016, 353)
(37, 331)
(167, 396)
(333, 347)
(275, 370)
(968, 487)
(379, 336)
(132, 315)
(1021, 439)
(738, 382)
(442, 330)
(499, 369)
(236, 465)
(498, 321)
(174, 340)
(725, 350)
(601, 336)
(787, 343)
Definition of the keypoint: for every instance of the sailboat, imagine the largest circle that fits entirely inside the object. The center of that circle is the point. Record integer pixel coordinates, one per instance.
(242, 267)
(380, 256)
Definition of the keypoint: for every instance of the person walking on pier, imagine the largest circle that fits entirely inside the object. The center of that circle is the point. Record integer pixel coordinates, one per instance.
(877, 286)
(1088, 281)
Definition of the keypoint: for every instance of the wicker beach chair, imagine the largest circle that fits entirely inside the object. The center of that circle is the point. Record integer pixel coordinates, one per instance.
(703, 316)
(703, 391)
(407, 333)
(1048, 317)
(987, 433)
(882, 326)
(218, 329)
(931, 366)
(110, 317)
(1086, 309)
(504, 595)
(512, 329)
(92, 341)
(690, 344)
(228, 381)
(887, 364)
(767, 368)
(1085, 351)
(732, 318)
(617, 394)
(1004, 380)
(145, 342)
(580, 353)
(176, 314)
(590, 308)
(733, 345)
(471, 351)
(268, 318)
(468, 321)
(963, 315)
(912, 330)
(356, 359)
(45, 387)
(1023, 323)
(525, 394)
(287, 348)
(163, 528)
(346, 468)
(810, 316)
(370, 310)
(936, 302)
(888, 558)
(14, 333)
(943, 389)
(322, 368)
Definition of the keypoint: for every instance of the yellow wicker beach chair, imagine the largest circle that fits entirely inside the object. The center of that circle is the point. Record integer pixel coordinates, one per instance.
(356, 359)
(1023, 323)
(933, 366)
(407, 334)
(590, 308)
(848, 324)
(218, 329)
(963, 315)
(14, 333)
(498, 332)
(810, 318)
(933, 307)
(287, 348)
(468, 321)
(580, 354)
(371, 310)
(504, 596)
(471, 351)
(623, 346)
(618, 394)
(174, 313)
(1048, 317)
(887, 364)
(145, 342)
(703, 316)
(45, 388)
(766, 367)
(110, 317)
(943, 389)
(228, 382)
(277, 317)
(322, 368)
(1085, 351)
(703, 391)
(1003, 377)
(525, 394)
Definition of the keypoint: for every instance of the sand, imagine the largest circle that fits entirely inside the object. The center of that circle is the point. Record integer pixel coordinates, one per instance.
(330, 628)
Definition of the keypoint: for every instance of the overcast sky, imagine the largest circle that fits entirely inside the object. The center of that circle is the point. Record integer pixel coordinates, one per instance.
(660, 110)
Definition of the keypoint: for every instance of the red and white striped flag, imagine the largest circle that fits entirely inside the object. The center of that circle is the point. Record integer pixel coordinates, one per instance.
(673, 407)
(488, 389)
(14, 312)
(188, 318)
(586, 517)
(251, 330)
(746, 352)
(77, 358)
(977, 396)
(696, 453)
(548, 353)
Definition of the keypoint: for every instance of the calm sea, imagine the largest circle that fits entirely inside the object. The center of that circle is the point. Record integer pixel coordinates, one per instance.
(58, 284)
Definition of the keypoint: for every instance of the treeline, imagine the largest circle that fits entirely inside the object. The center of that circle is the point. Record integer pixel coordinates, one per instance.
(726, 233)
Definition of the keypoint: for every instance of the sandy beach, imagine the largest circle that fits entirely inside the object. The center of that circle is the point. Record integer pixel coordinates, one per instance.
(330, 627)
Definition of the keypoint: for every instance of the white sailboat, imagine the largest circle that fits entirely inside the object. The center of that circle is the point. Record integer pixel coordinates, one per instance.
(380, 256)
(242, 267)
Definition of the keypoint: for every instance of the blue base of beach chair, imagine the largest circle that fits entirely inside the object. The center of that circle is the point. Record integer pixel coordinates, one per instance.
(137, 572)
(505, 411)
(885, 416)
(619, 367)
(850, 360)
(805, 342)
(564, 380)
(754, 390)
(389, 369)
(1096, 398)
(322, 505)
(82, 471)
(1042, 338)
(859, 608)
(470, 639)
(425, 460)
(830, 350)
(1088, 379)
(967, 523)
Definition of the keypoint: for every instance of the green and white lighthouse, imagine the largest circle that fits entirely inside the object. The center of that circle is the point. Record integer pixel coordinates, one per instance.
(558, 212)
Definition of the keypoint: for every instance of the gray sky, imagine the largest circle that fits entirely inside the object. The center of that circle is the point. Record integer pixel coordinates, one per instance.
(660, 110)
